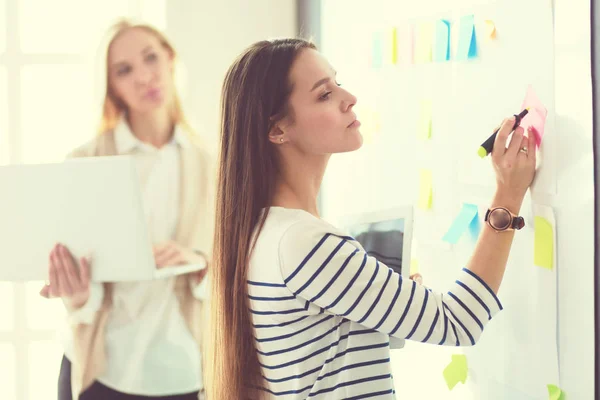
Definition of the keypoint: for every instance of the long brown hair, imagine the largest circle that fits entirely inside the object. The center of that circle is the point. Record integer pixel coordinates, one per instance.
(113, 108)
(255, 96)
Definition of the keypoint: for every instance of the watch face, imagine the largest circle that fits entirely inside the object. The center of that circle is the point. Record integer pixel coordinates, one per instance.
(500, 219)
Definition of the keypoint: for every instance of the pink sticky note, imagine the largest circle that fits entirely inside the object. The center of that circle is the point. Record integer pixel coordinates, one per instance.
(536, 117)
(405, 44)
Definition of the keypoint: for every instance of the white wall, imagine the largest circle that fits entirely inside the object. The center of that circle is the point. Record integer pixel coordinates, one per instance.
(209, 35)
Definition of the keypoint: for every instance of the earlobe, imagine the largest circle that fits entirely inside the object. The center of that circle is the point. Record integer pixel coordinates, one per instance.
(276, 135)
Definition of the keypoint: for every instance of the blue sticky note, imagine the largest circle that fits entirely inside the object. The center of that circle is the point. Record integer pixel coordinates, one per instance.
(441, 50)
(377, 54)
(461, 223)
(467, 42)
(475, 228)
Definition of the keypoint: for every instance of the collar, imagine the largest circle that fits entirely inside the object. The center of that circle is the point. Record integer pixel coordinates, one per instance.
(126, 141)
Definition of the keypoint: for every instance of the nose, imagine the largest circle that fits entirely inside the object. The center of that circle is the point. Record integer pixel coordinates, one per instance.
(143, 75)
(349, 101)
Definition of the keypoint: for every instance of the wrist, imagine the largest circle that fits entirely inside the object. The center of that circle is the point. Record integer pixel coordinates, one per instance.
(509, 201)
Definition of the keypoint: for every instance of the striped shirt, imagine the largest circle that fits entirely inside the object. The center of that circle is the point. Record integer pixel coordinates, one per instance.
(323, 311)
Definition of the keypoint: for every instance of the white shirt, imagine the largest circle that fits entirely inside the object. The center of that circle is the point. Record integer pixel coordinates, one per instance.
(323, 311)
(150, 350)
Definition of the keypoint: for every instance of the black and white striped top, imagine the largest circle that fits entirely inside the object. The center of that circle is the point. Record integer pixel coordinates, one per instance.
(323, 311)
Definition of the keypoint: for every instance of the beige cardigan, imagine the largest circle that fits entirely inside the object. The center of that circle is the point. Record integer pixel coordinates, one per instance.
(194, 230)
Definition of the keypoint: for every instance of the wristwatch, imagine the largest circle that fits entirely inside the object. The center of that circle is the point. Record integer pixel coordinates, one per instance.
(501, 219)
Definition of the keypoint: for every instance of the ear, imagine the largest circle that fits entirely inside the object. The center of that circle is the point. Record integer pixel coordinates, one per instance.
(276, 134)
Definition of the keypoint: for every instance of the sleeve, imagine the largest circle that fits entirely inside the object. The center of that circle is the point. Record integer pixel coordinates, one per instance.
(86, 313)
(334, 273)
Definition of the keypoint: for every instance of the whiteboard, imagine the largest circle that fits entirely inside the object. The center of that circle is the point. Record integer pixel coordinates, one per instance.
(545, 333)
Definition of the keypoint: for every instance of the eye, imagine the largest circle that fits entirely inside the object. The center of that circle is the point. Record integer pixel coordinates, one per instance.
(325, 96)
(151, 57)
(124, 70)
(337, 83)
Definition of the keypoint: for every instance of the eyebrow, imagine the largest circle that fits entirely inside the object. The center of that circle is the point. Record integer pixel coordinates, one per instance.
(319, 83)
(121, 63)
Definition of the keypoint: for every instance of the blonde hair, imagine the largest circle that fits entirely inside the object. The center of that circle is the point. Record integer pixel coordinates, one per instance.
(113, 108)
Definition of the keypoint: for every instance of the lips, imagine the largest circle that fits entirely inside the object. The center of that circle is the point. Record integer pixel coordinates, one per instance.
(354, 124)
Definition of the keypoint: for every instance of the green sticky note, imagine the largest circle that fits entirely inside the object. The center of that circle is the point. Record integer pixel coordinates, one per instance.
(424, 43)
(543, 243)
(554, 393)
(425, 190)
(377, 50)
(456, 371)
(425, 120)
(441, 50)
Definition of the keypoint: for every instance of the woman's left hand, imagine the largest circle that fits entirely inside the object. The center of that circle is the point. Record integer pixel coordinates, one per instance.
(172, 254)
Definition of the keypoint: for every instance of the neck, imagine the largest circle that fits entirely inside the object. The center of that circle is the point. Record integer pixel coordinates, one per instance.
(154, 128)
(299, 180)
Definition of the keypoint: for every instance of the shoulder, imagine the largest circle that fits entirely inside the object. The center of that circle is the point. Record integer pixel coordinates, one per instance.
(303, 230)
(94, 147)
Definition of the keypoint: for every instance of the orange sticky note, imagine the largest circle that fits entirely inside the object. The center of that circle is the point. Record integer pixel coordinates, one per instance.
(490, 29)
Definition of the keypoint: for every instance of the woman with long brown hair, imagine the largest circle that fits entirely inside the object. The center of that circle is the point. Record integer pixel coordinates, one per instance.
(140, 340)
(299, 309)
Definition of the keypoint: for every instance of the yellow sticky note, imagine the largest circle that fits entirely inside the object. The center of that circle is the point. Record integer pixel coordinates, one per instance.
(456, 371)
(426, 190)
(543, 243)
(394, 46)
(490, 29)
(424, 43)
(554, 393)
(425, 120)
(414, 266)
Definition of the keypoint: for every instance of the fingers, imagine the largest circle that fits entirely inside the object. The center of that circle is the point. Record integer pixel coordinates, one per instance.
(70, 271)
(516, 143)
(502, 137)
(173, 257)
(531, 145)
(45, 292)
(84, 273)
(53, 274)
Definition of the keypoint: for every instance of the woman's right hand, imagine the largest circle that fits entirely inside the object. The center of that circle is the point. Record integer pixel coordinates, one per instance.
(515, 165)
(67, 280)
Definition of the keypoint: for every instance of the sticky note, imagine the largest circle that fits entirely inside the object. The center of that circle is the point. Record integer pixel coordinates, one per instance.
(555, 393)
(456, 371)
(405, 44)
(425, 120)
(490, 29)
(536, 117)
(414, 266)
(426, 190)
(441, 50)
(467, 42)
(393, 43)
(461, 223)
(424, 42)
(377, 50)
(543, 243)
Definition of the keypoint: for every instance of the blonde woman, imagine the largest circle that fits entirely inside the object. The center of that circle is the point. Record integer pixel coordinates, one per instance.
(141, 340)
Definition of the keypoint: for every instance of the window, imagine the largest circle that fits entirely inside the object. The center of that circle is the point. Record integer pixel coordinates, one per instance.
(2, 26)
(4, 138)
(55, 116)
(65, 26)
(8, 376)
(48, 106)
